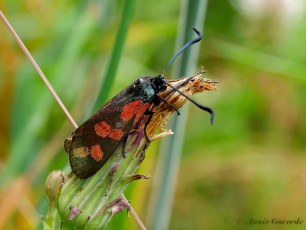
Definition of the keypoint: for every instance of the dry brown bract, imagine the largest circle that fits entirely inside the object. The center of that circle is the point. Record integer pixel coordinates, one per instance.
(162, 112)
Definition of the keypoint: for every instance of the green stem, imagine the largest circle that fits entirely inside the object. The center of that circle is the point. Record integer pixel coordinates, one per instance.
(116, 54)
(192, 15)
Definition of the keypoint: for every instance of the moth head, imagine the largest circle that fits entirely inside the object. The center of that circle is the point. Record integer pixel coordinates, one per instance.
(159, 84)
(142, 86)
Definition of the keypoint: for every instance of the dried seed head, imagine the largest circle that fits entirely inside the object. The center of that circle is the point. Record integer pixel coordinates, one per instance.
(188, 86)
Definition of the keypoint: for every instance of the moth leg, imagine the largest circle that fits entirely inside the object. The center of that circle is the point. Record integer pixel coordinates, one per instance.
(123, 145)
(150, 113)
(167, 103)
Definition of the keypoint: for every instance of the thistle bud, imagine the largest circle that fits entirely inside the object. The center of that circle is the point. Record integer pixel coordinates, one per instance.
(53, 185)
(54, 182)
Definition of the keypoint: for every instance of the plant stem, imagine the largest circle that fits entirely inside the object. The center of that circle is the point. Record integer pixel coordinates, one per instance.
(37, 68)
(112, 67)
(192, 15)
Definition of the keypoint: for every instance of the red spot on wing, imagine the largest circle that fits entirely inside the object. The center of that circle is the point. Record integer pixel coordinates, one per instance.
(116, 134)
(130, 109)
(141, 111)
(96, 152)
(102, 129)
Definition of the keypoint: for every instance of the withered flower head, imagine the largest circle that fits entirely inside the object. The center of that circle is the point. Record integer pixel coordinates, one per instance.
(188, 86)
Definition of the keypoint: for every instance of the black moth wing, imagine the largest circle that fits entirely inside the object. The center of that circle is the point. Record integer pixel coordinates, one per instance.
(84, 138)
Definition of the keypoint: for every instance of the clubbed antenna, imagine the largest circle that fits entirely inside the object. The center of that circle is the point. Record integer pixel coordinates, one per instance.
(184, 47)
(205, 108)
(195, 40)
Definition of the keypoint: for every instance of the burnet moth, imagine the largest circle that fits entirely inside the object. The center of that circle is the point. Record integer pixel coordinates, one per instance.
(92, 143)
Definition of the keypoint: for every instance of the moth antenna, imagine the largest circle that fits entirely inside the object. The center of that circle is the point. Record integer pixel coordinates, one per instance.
(205, 108)
(195, 40)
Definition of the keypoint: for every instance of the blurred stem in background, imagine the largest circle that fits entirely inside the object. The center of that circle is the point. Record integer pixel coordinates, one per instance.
(112, 67)
(192, 15)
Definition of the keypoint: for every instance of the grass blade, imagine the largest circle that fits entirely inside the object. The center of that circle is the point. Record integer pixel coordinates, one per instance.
(112, 67)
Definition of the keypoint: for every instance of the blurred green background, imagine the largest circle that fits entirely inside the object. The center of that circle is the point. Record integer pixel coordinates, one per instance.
(249, 164)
